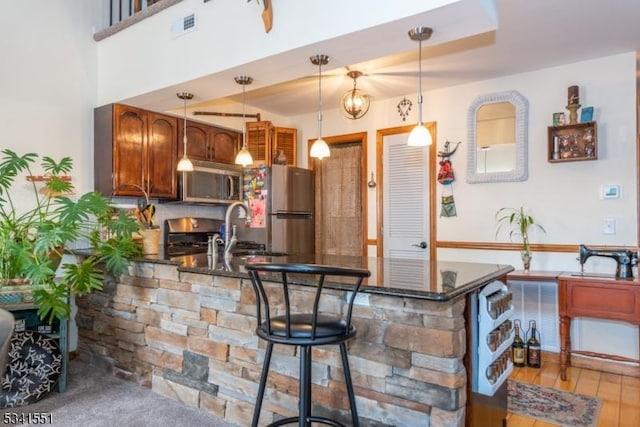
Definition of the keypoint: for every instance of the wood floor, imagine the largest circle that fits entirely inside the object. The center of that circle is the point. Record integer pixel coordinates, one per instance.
(620, 393)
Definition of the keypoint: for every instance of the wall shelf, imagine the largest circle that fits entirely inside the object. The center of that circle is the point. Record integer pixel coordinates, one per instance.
(572, 143)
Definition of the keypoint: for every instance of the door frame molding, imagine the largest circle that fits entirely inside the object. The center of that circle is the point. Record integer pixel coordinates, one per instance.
(361, 138)
(380, 134)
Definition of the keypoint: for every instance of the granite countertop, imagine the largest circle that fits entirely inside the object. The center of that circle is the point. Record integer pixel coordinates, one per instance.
(438, 281)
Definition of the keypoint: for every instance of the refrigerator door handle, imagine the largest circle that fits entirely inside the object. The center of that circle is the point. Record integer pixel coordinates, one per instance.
(292, 215)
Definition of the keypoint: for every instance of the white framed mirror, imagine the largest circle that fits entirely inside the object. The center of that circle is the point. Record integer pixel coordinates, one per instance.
(498, 133)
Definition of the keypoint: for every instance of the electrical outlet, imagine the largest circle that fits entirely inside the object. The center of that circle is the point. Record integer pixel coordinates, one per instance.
(609, 226)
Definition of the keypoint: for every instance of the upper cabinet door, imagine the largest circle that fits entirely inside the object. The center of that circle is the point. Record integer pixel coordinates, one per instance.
(285, 140)
(259, 142)
(129, 144)
(198, 147)
(225, 144)
(162, 150)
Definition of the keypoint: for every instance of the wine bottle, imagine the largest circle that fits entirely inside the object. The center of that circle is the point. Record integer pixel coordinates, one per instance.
(533, 346)
(518, 353)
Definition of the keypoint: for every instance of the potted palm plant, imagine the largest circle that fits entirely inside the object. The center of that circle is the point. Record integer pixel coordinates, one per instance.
(33, 237)
(519, 224)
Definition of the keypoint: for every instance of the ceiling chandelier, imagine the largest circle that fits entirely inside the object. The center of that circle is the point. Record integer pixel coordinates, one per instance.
(185, 165)
(355, 103)
(244, 156)
(319, 148)
(420, 135)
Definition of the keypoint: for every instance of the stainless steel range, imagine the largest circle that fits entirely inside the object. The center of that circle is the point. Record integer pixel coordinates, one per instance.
(186, 239)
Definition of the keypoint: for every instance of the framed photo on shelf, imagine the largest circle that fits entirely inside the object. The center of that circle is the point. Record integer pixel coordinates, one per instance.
(558, 119)
(586, 115)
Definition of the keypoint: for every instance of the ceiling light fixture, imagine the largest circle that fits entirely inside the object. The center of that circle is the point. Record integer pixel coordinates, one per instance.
(319, 148)
(355, 103)
(420, 135)
(244, 157)
(185, 165)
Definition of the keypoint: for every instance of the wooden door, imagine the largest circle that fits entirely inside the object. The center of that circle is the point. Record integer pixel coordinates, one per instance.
(340, 196)
(406, 195)
(161, 159)
(129, 142)
(285, 139)
(225, 144)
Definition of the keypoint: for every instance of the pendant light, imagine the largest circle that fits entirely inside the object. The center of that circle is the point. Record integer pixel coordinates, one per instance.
(319, 148)
(355, 103)
(244, 156)
(185, 165)
(420, 135)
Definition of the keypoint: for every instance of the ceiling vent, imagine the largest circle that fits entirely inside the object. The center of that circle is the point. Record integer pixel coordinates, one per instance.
(184, 25)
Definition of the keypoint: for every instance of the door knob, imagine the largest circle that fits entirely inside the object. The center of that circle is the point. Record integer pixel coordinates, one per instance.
(422, 245)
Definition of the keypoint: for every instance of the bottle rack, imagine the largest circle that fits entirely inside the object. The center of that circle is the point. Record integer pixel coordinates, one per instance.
(495, 309)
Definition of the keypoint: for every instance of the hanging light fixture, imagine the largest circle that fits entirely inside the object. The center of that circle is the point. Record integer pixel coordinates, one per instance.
(420, 135)
(244, 156)
(319, 148)
(355, 103)
(185, 165)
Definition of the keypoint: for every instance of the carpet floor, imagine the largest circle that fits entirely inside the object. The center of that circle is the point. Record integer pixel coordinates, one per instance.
(95, 398)
(553, 406)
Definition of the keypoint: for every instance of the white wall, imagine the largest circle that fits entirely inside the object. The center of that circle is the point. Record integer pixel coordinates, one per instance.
(48, 81)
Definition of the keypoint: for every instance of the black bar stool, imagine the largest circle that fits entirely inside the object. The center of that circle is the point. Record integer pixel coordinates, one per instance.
(307, 329)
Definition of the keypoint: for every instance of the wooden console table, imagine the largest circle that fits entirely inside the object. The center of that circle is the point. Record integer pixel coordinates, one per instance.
(597, 297)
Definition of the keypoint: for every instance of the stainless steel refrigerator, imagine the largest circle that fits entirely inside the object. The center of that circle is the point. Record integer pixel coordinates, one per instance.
(281, 199)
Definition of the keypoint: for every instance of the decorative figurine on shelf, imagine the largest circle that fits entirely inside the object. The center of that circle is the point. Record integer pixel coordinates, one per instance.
(573, 104)
(589, 143)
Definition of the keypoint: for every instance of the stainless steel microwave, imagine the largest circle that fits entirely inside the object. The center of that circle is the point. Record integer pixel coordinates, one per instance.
(211, 183)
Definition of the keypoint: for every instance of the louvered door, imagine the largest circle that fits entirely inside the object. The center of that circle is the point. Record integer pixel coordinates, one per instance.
(259, 142)
(406, 199)
(285, 139)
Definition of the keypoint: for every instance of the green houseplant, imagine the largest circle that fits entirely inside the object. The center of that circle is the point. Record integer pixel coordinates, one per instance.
(33, 238)
(519, 224)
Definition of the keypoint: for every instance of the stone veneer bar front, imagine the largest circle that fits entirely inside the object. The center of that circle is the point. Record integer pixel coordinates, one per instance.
(188, 333)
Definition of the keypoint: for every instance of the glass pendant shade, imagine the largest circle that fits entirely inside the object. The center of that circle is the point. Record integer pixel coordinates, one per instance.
(244, 157)
(355, 103)
(185, 165)
(319, 149)
(419, 136)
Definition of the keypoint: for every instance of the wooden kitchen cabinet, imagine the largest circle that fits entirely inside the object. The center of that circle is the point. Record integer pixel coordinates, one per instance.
(209, 143)
(264, 141)
(135, 150)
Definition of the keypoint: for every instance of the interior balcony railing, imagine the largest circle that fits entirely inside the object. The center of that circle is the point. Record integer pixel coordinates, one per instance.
(122, 9)
(124, 13)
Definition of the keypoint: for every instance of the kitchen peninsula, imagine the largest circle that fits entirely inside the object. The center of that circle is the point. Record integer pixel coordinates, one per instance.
(186, 329)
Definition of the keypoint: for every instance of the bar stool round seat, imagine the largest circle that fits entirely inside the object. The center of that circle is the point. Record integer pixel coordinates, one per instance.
(304, 329)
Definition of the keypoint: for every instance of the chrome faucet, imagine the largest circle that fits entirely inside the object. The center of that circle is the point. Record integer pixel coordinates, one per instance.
(230, 239)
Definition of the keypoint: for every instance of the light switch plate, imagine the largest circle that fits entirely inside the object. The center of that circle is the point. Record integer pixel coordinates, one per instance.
(609, 226)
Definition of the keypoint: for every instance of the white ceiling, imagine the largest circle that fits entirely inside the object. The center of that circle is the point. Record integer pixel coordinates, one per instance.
(530, 35)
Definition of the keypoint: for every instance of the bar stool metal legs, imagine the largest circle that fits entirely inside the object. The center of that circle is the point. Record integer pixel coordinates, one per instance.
(263, 383)
(304, 405)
